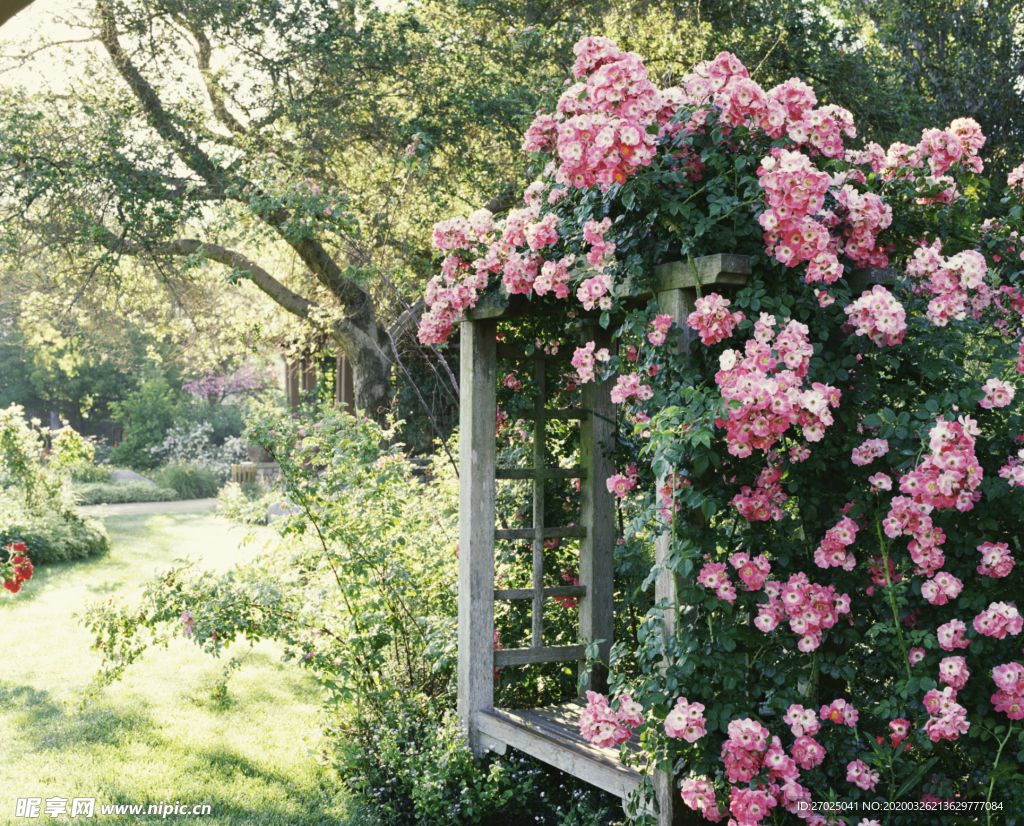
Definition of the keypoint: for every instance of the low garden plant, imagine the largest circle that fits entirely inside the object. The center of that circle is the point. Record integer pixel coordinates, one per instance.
(36, 503)
(189, 480)
(409, 761)
(246, 503)
(834, 453)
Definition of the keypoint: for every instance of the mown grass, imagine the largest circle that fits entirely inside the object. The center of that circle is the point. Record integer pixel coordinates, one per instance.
(159, 736)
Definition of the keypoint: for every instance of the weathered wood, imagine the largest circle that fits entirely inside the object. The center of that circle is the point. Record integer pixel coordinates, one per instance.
(597, 515)
(721, 270)
(671, 809)
(863, 279)
(564, 720)
(499, 305)
(552, 734)
(547, 593)
(549, 533)
(550, 654)
(557, 746)
(548, 472)
(717, 271)
(679, 303)
(539, 461)
(477, 460)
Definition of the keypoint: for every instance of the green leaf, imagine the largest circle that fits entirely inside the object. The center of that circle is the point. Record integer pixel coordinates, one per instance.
(915, 777)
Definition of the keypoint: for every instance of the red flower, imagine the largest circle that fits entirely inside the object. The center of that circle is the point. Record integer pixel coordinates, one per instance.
(22, 567)
(13, 585)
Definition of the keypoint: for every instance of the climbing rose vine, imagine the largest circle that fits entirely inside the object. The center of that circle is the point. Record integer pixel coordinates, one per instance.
(835, 450)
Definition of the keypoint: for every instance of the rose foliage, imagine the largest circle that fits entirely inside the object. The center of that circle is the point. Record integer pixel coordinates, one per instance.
(835, 453)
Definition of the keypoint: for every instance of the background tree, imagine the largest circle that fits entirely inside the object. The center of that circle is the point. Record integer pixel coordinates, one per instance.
(899, 67)
(306, 150)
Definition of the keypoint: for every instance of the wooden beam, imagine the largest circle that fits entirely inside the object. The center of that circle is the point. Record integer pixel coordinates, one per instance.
(292, 369)
(677, 298)
(344, 385)
(477, 459)
(561, 415)
(863, 279)
(722, 270)
(513, 353)
(527, 593)
(548, 472)
(551, 654)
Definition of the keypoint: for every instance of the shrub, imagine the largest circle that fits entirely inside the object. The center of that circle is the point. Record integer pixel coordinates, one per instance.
(362, 591)
(246, 503)
(188, 480)
(22, 469)
(193, 444)
(52, 536)
(35, 500)
(92, 473)
(408, 763)
(121, 493)
(360, 564)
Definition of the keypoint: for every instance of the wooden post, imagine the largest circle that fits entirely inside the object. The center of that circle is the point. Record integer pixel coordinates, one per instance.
(477, 462)
(677, 297)
(597, 515)
(292, 368)
(679, 304)
(539, 475)
(309, 373)
(344, 387)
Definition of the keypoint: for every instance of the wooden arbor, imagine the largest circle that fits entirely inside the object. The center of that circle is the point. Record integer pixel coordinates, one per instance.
(552, 734)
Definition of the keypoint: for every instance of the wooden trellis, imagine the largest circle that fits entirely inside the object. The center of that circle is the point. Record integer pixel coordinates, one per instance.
(552, 734)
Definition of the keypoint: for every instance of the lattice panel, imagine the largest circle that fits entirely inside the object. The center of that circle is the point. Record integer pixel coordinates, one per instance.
(539, 474)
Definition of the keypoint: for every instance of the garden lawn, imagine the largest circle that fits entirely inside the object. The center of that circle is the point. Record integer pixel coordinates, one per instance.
(159, 736)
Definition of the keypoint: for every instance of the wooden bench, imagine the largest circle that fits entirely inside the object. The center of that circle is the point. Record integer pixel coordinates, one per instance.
(552, 735)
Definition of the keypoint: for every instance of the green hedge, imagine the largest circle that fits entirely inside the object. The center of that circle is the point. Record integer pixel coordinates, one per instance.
(119, 493)
(53, 537)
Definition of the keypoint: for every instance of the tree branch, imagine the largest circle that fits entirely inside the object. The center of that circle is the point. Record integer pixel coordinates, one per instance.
(213, 90)
(197, 160)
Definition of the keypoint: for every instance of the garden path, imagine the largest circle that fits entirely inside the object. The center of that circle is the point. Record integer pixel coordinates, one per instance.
(145, 508)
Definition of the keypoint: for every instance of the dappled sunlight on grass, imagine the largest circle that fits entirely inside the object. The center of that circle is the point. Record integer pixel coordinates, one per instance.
(160, 735)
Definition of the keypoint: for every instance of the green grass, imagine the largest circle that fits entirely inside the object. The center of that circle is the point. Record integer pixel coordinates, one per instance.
(158, 736)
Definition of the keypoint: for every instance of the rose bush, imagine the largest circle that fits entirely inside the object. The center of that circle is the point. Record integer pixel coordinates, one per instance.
(17, 569)
(837, 460)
